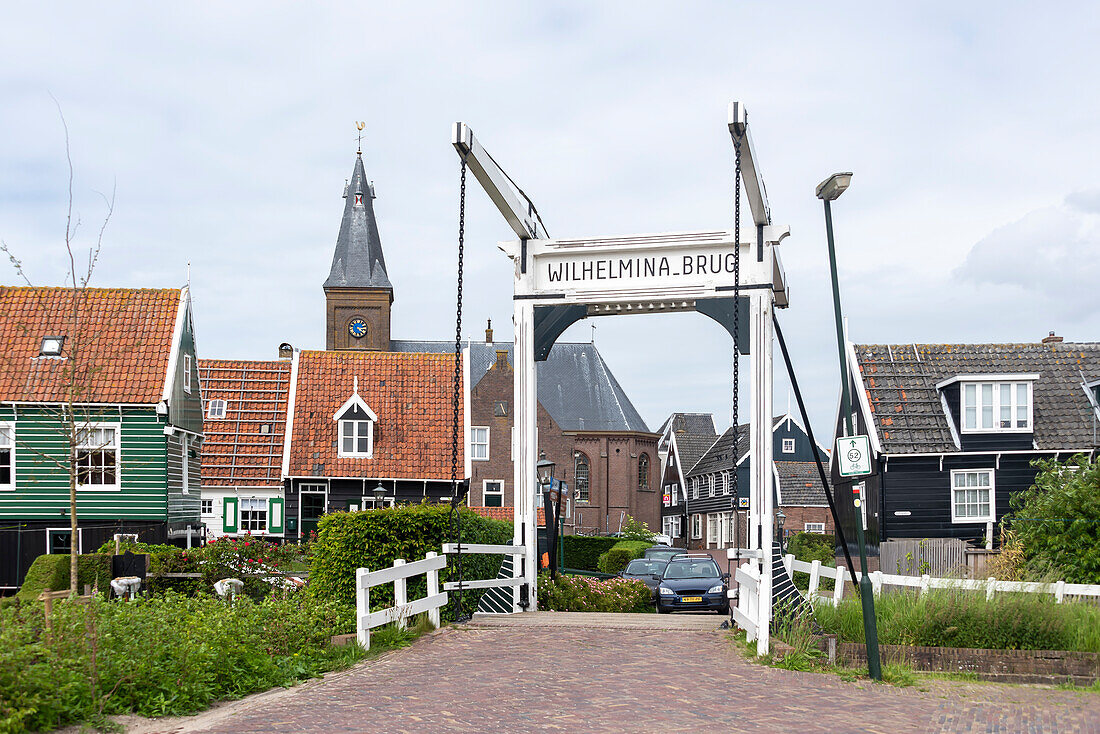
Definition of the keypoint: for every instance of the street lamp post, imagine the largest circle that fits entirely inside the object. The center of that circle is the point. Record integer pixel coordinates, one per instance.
(780, 520)
(379, 493)
(830, 190)
(545, 471)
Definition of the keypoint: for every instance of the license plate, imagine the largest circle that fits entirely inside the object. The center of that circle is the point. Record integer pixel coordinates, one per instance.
(687, 599)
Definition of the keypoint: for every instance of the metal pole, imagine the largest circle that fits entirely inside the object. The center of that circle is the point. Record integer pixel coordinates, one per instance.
(866, 595)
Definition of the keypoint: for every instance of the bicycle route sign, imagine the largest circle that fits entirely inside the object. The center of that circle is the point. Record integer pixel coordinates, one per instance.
(854, 455)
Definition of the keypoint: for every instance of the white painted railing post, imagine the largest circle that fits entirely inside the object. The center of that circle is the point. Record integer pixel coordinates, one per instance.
(815, 579)
(876, 582)
(400, 594)
(362, 608)
(838, 587)
(433, 589)
(925, 583)
(990, 587)
(1059, 592)
(788, 563)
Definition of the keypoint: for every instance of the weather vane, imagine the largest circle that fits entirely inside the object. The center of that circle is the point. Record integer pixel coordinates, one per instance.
(359, 126)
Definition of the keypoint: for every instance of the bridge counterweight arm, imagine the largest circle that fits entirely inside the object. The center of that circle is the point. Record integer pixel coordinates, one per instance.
(750, 168)
(517, 209)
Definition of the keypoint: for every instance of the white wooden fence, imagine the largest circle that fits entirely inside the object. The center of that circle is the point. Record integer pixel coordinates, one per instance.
(402, 608)
(1060, 589)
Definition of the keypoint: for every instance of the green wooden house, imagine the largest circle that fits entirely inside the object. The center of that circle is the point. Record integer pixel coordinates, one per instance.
(103, 382)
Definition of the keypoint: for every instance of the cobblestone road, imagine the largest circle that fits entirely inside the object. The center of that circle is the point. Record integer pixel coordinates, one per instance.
(523, 679)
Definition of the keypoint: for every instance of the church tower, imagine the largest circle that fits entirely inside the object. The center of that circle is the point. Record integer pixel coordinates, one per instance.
(358, 292)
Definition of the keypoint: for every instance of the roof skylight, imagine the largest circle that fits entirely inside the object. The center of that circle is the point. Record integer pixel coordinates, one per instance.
(51, 346)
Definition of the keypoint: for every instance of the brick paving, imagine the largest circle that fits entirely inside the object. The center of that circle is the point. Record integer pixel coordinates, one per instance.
(555, 678)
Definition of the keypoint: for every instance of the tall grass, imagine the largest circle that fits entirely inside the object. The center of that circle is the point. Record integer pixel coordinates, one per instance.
(960, 618)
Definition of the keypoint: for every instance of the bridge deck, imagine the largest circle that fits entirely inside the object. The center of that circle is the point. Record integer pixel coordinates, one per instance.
(594, 620)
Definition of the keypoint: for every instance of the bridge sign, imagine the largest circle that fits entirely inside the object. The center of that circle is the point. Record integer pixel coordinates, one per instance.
(854, 455)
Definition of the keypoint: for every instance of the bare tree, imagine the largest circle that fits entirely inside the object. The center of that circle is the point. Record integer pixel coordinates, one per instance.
(78, 371)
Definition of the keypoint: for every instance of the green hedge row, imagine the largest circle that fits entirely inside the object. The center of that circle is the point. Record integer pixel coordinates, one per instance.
(583, 552)
(373, 539)
(51, 573)
(811, 547)
(622, 553)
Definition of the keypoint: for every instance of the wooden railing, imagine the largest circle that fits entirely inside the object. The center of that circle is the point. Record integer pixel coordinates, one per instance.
(402, 609)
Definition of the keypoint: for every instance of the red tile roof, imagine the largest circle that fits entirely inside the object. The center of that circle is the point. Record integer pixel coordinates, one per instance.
(506, 513)
(410, 394)
(122, 339)
(235, 452)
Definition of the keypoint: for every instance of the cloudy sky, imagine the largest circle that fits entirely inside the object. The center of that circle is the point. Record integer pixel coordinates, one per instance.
(227, 131)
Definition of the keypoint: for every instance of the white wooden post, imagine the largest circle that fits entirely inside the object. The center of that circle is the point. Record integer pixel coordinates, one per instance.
(760, 447)
(838, 587)
(525, 513)
(433, 589)
(989, 587)
(815, 579)
(876, 582)
(925, 583)
(788, 563)
(400, 594)
(1059, 592)
(362, 608)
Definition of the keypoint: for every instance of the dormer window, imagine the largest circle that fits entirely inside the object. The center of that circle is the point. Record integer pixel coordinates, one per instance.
(996, 406)
(51, 346)
(215, 411)
(355, 428)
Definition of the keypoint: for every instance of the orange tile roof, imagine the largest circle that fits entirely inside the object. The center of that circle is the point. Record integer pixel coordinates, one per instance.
(235, 452)
(506, 513)
(409, 392)
(122, 339)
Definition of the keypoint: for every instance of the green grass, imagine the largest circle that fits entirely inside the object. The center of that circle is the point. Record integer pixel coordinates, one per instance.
(959, 618)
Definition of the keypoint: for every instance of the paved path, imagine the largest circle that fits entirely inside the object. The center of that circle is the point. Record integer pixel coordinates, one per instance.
(527, 678)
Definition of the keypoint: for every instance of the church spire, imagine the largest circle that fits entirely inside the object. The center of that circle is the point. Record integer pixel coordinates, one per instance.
(358, 261)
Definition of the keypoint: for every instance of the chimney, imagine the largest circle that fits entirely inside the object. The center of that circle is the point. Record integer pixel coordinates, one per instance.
(286, 351)
(489, 332)
(1052, 339)
(502, 358)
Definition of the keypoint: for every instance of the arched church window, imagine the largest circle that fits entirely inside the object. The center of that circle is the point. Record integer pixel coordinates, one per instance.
(643, 472)
(580, 475)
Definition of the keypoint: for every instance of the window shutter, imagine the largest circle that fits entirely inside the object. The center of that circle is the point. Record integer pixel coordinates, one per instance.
(229, 516)
(275, 515)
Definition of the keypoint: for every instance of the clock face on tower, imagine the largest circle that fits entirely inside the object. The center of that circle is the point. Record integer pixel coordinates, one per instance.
(357, 328)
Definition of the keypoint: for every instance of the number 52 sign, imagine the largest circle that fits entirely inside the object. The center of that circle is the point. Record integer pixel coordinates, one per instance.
(854, 455)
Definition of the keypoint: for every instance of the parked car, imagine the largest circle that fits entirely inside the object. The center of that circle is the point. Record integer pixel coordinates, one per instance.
(662, 552)
(692, 582)
(646, 570)
(662, 540)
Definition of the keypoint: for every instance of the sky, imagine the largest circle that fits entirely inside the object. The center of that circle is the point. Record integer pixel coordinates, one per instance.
(226, 132)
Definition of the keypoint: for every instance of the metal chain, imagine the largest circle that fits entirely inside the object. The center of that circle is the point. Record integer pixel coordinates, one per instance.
(456, 516)
(736, 316)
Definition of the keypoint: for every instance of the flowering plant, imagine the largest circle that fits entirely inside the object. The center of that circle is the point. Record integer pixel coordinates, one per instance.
(588, 594)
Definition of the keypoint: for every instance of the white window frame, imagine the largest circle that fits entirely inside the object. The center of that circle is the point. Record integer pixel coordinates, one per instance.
(475, 443)
(996, 388)
(117, 446)
(357, 429)
(817, 528)
(187, 373)
(582, 496)
(485, 492)
(712, 488)
(185, 456)
(10, 448)
(697, 527)
(714, 528)
(674, 491)
(695, 488)
(203, 502)
(215, 409)
(241, 509)
(992, 488)
(788, 446)
(668, 526)
(725, 483)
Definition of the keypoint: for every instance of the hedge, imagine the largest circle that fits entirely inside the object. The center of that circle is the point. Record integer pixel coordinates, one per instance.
(51, 573)
(622, 553)
(583, 552)
(811, 547)
(373, 539)
(585, 594)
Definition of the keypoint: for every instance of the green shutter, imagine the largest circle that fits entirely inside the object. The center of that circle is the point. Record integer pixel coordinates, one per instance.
(229, 515)
(275, 515)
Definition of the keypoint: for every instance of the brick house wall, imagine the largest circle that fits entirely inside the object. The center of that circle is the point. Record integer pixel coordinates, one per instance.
(797, 517)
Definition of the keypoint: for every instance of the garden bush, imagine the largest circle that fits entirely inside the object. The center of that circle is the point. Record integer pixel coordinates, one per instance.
(162, 656)
(583, 552)
(960, 618)
(586, 594)
(373, 539)
(620, 554)
(811, 547)
(51, 573)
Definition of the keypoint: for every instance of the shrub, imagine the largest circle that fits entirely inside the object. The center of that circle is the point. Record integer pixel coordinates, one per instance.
(1057, 520)
(620, 554)
(636, 530)
(166, 655)
(373, 539)
(960, 618)
(585, 594)
(51, 573)
(810, 547)
(583, 552)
